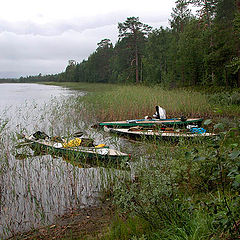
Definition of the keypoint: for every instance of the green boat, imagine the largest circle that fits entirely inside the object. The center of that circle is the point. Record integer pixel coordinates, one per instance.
(64, 147)
(157, 120)
(153, 122)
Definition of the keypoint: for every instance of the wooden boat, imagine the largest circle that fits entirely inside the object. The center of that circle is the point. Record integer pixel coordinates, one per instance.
(151, 133)
(158, 119)
(153, 122)
(53, 146)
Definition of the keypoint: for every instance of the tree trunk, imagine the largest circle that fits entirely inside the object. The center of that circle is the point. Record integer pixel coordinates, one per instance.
(183, 76)
(238, 78)
(136, 57)
(238, 46)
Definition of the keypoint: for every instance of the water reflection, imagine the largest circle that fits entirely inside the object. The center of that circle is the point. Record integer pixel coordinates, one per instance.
(16, 94)
(36, 188)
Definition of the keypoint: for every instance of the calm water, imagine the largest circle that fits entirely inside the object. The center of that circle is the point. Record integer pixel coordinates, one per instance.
(20, 102)
(34, 189)
(18, 94)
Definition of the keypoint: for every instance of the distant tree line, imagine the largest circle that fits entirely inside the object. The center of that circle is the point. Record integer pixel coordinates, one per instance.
(200, 49)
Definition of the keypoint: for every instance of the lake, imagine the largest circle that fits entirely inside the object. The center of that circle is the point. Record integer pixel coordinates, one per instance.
(35, 188)
(17, 94)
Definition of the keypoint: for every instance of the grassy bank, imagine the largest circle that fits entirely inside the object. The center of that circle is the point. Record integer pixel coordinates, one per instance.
(129, 102)
(89, 87)
(186, 190)
(114, 102)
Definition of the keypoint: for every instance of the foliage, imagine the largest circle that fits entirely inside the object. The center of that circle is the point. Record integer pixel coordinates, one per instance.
(225, 98)
(187, 191)
(134, 32)
(199, 50)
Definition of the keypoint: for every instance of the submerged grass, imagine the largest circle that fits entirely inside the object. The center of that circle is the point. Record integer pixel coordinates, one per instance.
(37, 186)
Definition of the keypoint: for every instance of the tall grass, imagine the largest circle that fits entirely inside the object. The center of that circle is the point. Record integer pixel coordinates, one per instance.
(129, 102)
(37, 186)
(115, 102)
(174, 187)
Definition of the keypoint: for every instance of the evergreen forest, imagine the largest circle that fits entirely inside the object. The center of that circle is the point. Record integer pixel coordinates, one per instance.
(200, 49)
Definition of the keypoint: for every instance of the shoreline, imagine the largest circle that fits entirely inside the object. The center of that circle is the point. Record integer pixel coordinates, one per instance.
(89, 222)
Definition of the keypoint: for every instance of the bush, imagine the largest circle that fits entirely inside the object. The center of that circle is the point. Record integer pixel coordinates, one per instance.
(225, 98)
(186, 191)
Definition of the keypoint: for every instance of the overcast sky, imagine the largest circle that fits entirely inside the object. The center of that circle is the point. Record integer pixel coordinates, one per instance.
(40, 36)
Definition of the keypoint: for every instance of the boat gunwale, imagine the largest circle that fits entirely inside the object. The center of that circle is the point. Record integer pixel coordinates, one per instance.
(151, 122)
(160, 133)
(80, 150)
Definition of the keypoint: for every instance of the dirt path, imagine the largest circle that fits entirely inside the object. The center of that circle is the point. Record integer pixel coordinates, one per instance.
(84, 223)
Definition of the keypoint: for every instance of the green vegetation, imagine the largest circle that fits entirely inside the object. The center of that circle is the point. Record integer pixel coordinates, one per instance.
(114, 102)
(184, 190)
(188, 190)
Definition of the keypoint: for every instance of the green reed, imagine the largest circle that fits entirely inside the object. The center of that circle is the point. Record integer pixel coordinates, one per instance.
(129, 102)
(38, 185)
(167, 190)
(114, 102)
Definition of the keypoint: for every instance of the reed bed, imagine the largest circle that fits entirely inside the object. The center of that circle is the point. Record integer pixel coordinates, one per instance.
(129, 102)
(85, 87)
(168, 180)
(114, 102)
(35, 187)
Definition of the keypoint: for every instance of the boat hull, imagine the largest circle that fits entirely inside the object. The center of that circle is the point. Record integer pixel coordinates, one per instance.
(165, 135)
(82, 154)
(153, 122)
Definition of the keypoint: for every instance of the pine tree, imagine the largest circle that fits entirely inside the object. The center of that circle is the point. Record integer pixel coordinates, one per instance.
(135, 32)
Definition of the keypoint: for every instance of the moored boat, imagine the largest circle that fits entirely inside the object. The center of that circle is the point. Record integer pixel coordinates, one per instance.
(165, 135)
(76, 148)
(158, 119)
(153, 122)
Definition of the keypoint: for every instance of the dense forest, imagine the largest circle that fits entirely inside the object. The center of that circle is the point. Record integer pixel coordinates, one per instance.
(197, 49)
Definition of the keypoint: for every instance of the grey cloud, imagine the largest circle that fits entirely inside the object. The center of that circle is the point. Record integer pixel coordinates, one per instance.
(17, 47)
(56, 28)
(31, 54)
(76, 24)
(13, 69)
(29, 48)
